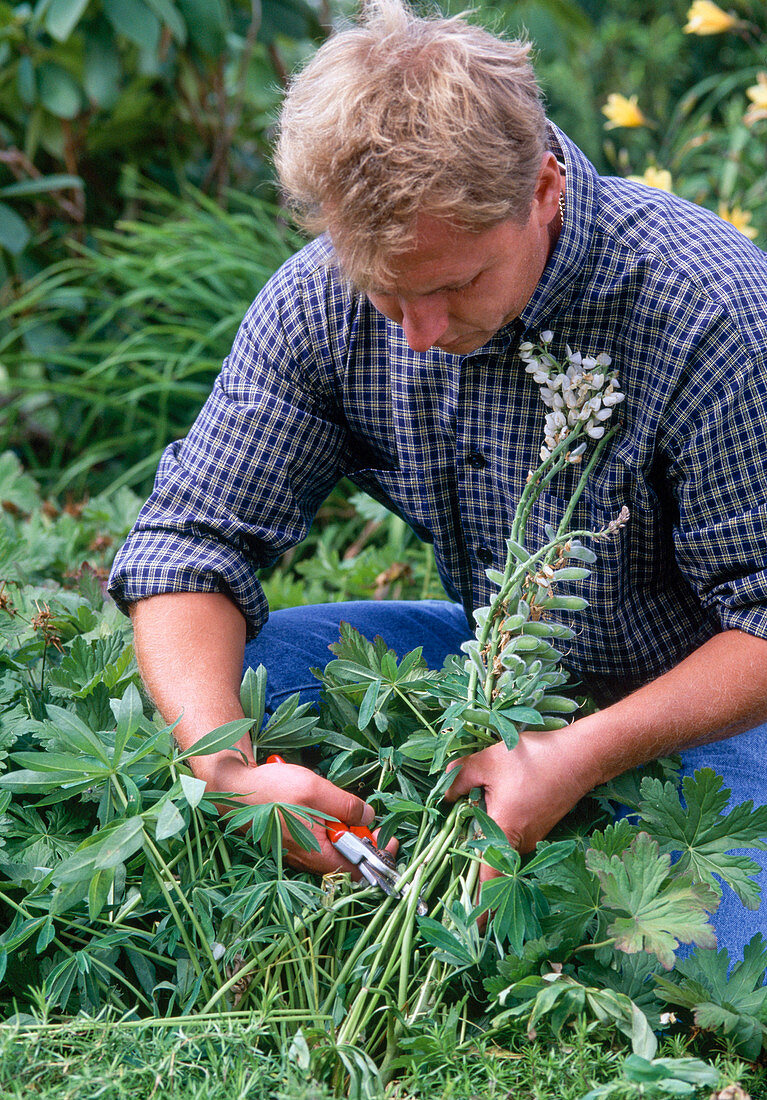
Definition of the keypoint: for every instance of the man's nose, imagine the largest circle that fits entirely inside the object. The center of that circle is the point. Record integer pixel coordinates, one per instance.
(424, 321)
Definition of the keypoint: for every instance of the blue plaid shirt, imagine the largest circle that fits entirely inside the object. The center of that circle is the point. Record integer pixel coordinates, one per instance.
(318, 385)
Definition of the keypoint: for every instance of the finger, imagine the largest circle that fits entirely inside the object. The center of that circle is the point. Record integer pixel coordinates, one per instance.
(343, 805)
(328, 860)
(392, 846)
(465, 779)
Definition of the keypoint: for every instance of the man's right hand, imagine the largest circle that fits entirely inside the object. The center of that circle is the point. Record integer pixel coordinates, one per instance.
(190, 648)
(289, 783)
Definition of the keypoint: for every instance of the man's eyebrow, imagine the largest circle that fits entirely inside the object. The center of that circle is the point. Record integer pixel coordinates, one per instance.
(453, 284)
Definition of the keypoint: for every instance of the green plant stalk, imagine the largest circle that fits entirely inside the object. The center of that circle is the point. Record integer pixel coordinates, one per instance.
(182, 930)
(539, 478)
(421, 718)
(400, 925)
(568, 515)
(309, 981)
(99, 964)
(493, 632)
(187, 839)
(515, 571)
(278, 949)
(158, 857)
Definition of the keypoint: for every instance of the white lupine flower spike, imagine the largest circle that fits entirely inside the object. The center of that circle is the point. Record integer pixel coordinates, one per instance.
(581, 395)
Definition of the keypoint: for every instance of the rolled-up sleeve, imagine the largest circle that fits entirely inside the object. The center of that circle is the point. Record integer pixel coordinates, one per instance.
(246, 482)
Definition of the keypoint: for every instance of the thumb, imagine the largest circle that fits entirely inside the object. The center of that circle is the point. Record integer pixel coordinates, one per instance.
(341, 804)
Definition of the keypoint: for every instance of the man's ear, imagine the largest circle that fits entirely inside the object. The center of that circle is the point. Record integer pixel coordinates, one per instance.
(547, 189)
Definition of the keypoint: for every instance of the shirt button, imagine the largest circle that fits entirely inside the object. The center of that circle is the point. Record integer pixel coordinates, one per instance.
(477, 460)
(484, 555)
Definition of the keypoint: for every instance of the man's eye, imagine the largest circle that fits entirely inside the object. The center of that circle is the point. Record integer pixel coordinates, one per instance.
(463, 286)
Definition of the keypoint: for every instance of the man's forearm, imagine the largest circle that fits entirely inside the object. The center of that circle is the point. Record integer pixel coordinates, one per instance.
(189, 648)
(718, 691)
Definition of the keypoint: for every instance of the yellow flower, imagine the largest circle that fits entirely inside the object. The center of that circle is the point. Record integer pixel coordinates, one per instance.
(655, 177)
(704, 17)
(757, 93)
(740, 219)
(622, 112)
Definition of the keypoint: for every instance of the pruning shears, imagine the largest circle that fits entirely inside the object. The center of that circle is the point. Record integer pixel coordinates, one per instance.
(357, 844)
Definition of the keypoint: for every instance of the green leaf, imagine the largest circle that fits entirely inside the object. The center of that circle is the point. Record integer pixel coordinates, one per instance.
(168, 13)
(695, 824)
(26, 82)
(128, 713)
(98, 891)
(74, 734)
(581, 553)
(42, 185)
(574, 896)
(60, 982)
(26, 781)
(59, 93)
(224, 737)
(193, 789)
(20, 930)
(368, 704)
(292, 726)
(253, 696)
(733, 1003)
(66, 766)
(514, 903)
(62, 17)
(86, 664)
(302, 835)
(103, 66)
(135, 21)
(46, 937)
(654, 912)
(490, 829)
(517, 551)
(502, 725)
(526, 715)
(14, 235)
(208, 23)
(690, 1070)
(449, 947)
(169, 821)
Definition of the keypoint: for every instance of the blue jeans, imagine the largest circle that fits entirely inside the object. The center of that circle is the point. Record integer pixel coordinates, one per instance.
(297, 639)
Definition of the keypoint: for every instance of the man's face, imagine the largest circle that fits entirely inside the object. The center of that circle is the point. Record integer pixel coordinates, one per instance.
(454, 290)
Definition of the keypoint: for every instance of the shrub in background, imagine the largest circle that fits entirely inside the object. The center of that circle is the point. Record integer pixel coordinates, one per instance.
(181, 89)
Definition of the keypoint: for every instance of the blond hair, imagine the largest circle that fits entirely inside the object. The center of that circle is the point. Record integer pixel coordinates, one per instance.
(399, 116)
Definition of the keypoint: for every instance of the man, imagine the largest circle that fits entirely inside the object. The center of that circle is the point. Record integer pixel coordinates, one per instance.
(457, 223)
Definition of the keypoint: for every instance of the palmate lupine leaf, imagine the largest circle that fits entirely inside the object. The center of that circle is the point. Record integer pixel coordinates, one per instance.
(515, 898)
(695, 824)
(653, 911)
(735, 1004)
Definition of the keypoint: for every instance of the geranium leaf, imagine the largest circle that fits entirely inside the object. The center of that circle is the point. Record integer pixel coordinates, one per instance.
(734, 1002)
(653, 911)
(696, 825)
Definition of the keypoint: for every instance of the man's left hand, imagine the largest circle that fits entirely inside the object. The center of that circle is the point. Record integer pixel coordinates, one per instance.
(529, 788)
